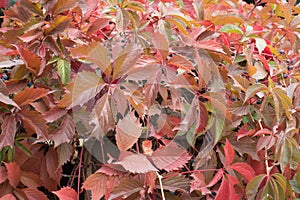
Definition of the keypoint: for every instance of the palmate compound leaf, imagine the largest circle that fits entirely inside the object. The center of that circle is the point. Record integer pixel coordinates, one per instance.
(100, 184)
(93, 52)
(84, 88)
(8, 128)
(66, 193)
(170, 157)
(128, 131)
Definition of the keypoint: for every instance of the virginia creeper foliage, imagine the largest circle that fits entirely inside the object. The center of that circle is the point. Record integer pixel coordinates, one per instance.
(124, 99)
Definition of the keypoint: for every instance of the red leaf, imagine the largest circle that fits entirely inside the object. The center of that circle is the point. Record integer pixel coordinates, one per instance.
(203, 116)
(29, 95)
(33, 61)
(128, 131)
(229, 153)
(3, 174)
(170, 157)
(216, 178)
(8, 128)
(34, 194)
(97, 184)
(65, 132)
(263, 131)
(34, 123)
(243, 132)
(13, 173)
(8, 197)
(137, 163)
(52, 163)
(66, 193)
(226, 191)
(244, 169)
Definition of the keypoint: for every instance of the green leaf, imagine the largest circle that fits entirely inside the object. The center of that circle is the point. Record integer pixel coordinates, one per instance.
(64, 69)
(268, 192)
(230, 28)
(253, 186)
(254, 89)
(282, 183)
(285, 101)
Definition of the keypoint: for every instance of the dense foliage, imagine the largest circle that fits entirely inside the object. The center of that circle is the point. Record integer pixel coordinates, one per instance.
(150, 100)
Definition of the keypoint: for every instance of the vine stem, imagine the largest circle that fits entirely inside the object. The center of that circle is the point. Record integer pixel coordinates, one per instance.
(161, 186)
(79, 171)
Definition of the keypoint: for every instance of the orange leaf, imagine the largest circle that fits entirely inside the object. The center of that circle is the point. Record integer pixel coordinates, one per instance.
(29, 95)
(33, 62)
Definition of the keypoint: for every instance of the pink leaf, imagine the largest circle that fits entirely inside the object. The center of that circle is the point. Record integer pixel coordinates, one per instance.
(54, 114)
(229, 153)
(137, 163)
(97, 184)
(8, 197)
(66, 193)
(128, 132)
(170, 157)
(7, 136)
(13, 173)
(244, 169)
